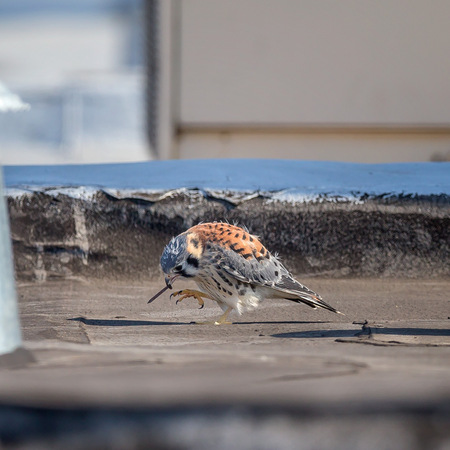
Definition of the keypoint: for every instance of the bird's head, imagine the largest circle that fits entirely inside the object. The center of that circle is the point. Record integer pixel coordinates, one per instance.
(181, 257)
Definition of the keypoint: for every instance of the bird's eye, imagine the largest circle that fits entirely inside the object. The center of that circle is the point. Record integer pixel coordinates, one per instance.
(178, 268)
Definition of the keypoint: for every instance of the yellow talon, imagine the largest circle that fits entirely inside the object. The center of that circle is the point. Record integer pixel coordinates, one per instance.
(186, 293)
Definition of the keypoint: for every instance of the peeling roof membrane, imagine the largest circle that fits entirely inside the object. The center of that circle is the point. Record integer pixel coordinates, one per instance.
(235, 180)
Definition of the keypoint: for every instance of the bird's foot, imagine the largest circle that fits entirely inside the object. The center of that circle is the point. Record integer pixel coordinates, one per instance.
(186, 293)
(222, 320)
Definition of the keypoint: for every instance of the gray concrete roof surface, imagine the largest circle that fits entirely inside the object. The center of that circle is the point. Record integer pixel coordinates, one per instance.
(99, 345)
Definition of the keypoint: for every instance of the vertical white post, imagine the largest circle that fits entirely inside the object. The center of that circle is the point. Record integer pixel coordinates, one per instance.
(168, 78)
(10, 335)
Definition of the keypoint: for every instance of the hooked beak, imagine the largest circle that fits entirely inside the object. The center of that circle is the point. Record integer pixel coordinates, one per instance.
(169, 281)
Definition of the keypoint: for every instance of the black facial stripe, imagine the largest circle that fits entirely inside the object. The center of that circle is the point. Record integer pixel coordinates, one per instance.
(193, 261)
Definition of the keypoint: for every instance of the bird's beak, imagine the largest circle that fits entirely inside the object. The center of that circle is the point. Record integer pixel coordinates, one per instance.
(169, 281)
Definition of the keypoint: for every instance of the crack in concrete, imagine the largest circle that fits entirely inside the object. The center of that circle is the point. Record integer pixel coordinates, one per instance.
(388, 343)
(308, 376)
(344, 368)
(367, 336)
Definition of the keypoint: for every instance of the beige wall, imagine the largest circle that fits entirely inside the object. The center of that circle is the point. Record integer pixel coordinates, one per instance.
(324, 146)
(358, 80)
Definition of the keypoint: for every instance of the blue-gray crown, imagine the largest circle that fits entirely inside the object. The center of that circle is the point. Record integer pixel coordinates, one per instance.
(174, 253)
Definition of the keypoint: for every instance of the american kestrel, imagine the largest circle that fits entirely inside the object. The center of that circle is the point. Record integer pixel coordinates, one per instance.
(231, 267)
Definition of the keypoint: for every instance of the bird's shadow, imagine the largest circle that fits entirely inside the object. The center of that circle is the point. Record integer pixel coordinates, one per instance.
(281, 322)
(119, 322)
(335, 333)
(354, 333)
(123, 322)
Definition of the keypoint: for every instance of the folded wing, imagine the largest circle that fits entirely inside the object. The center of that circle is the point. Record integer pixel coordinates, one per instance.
(270, 273)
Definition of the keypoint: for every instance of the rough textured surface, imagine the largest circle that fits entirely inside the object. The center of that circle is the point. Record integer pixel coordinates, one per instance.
(329, 219)
(111, 371)
(56, 235)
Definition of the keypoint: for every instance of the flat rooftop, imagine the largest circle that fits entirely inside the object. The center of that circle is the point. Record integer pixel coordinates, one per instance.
(98, 346)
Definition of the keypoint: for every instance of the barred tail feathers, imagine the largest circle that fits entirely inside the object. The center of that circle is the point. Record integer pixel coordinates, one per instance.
(301, 294)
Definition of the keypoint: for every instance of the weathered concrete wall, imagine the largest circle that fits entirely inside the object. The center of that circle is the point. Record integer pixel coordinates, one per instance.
(328, 219)
(56, 235)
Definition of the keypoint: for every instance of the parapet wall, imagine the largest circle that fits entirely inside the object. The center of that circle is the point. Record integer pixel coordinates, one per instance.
(324, 219)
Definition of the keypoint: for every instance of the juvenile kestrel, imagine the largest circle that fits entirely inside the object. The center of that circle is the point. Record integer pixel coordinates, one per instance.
(231, 267)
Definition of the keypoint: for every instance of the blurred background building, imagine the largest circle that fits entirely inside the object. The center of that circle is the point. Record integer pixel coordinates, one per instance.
(79, 64)
(127, 80)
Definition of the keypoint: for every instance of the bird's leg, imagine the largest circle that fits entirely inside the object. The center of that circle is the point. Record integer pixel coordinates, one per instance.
(221, 320)
(186, 293)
